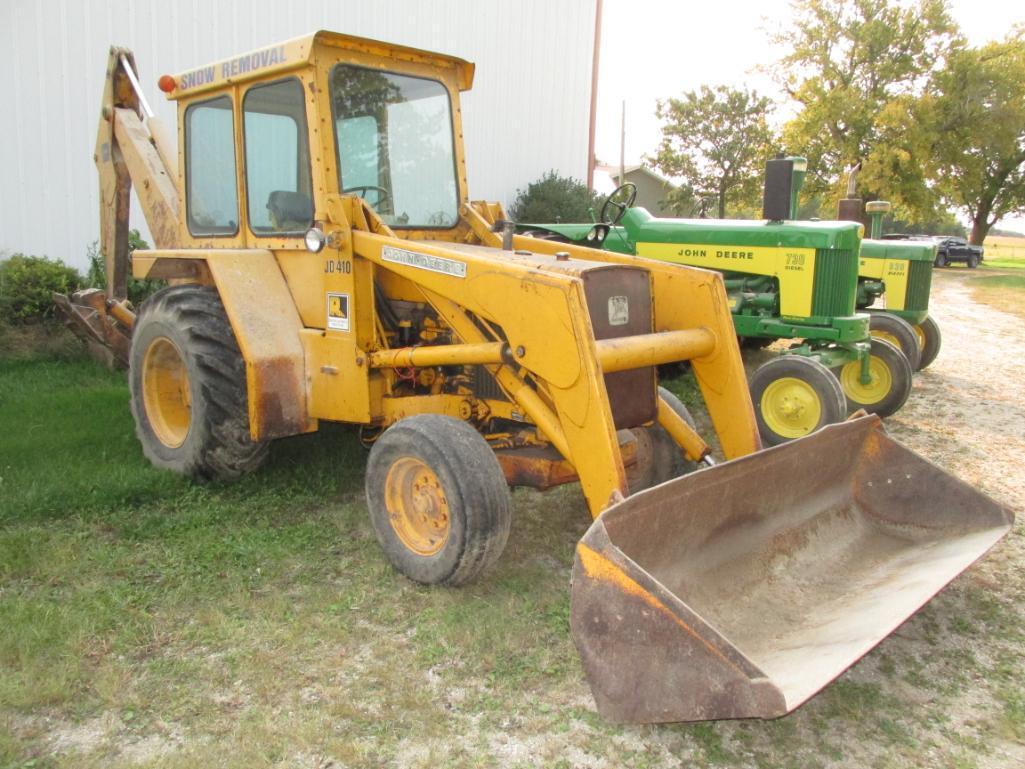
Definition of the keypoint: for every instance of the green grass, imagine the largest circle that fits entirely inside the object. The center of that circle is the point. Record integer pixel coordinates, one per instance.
(1006, 263)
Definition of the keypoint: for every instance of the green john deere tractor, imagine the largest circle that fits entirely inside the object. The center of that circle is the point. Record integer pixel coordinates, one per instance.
(785, 280)
(899, 272)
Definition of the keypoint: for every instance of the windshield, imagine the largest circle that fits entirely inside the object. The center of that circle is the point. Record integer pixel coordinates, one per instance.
(393, 138)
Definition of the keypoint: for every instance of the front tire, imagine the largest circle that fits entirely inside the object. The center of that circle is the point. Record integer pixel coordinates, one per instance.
(438, 500)
(659, 459)
(898, 332)
(941, 260)
(928, 333)
(889, 385)
(188, 387)
(794, 396)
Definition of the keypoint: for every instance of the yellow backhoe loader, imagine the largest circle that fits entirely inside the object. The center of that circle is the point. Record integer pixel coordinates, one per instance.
(324, 262)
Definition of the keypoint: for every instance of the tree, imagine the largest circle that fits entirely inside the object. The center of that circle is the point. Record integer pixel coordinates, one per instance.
(976, 109)
(554, 198)
(717, 140)
(855, 67)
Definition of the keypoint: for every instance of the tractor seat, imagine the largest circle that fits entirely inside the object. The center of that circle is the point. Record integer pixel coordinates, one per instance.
(289, 210)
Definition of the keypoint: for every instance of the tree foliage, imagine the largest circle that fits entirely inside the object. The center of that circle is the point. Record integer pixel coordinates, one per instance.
(975, 113)
(27, 286)
(856, 67)
(717, 140)
(554, 198)
(139, 289)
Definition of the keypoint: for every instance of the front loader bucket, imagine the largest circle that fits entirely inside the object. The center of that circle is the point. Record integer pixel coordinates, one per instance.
(743, 590)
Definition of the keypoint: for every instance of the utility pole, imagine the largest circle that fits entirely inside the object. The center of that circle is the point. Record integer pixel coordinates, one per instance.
(622, 146)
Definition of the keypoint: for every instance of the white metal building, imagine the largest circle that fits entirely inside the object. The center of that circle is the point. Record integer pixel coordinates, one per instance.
(528, 111)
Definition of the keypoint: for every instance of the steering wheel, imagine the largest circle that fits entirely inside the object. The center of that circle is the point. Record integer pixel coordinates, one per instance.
(621, 199)
(363, 189)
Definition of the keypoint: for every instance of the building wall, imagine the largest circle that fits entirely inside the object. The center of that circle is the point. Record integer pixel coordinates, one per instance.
(527, 113)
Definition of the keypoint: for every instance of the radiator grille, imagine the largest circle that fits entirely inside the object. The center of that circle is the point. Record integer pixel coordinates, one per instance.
(836, 283)
(919, 285)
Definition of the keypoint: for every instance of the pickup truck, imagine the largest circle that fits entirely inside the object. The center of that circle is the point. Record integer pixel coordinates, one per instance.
(948, 248)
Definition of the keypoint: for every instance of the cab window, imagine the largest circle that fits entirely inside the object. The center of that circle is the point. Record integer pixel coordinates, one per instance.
(211, 193)
(278, 189)
(394, 144)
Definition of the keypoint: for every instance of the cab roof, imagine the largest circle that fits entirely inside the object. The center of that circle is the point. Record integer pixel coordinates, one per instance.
(298, 52)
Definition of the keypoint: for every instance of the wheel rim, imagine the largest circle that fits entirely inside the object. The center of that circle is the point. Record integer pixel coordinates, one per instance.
(165, 392)
(417, 506)
(919, 335)
(790, 407)
(878, 387)
(886, 336)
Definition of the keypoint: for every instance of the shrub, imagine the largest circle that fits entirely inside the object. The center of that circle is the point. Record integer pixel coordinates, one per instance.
(554, 198)
(138, 290)
(27, 286)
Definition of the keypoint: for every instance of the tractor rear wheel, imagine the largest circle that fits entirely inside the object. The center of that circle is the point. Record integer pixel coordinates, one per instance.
(438, 500)
(889, 382)
(794, 396)
(899, 333)
(929, 339)
(188, 387)
(659, 459)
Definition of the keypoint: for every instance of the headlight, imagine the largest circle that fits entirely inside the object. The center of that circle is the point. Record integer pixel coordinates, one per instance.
(315, 240)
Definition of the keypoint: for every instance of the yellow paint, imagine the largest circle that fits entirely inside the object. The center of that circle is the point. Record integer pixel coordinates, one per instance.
(894, 273)
(165, 392)
(794, 267)
(879, 385)
(418, 508)
(919, 335)
(790, 407)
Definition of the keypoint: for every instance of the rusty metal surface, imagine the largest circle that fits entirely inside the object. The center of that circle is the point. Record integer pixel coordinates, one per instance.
(619, 303)
(741, 592)
(86, 314)
(542, 467)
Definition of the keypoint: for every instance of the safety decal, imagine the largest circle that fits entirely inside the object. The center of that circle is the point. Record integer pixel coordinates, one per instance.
(424, 261)
(619, 310)
(338, 312)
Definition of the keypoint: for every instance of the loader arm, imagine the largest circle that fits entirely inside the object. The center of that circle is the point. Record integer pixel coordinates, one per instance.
(691, 298)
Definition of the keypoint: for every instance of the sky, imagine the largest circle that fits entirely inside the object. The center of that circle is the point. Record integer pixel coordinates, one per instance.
(652, 50)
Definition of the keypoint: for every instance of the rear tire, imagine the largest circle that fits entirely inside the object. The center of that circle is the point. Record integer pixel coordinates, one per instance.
(973, 262)
(930, 339)
(188, 387)
(890, 383)
(898, 332)
(438, 500)
(659, 459)
(794, 396)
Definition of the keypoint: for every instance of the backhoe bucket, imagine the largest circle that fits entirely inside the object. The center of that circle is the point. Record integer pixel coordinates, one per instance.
(742, 590)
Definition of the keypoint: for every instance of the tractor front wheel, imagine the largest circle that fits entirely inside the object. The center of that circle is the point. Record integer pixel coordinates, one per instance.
(889, 382)
(438, 500)
(899, 333)
(659, 459)
(188, 387)
(929, 339)
(794, 396)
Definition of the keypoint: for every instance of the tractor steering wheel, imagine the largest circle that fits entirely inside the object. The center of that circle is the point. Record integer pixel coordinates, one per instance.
(363, 189)
(621, 199)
